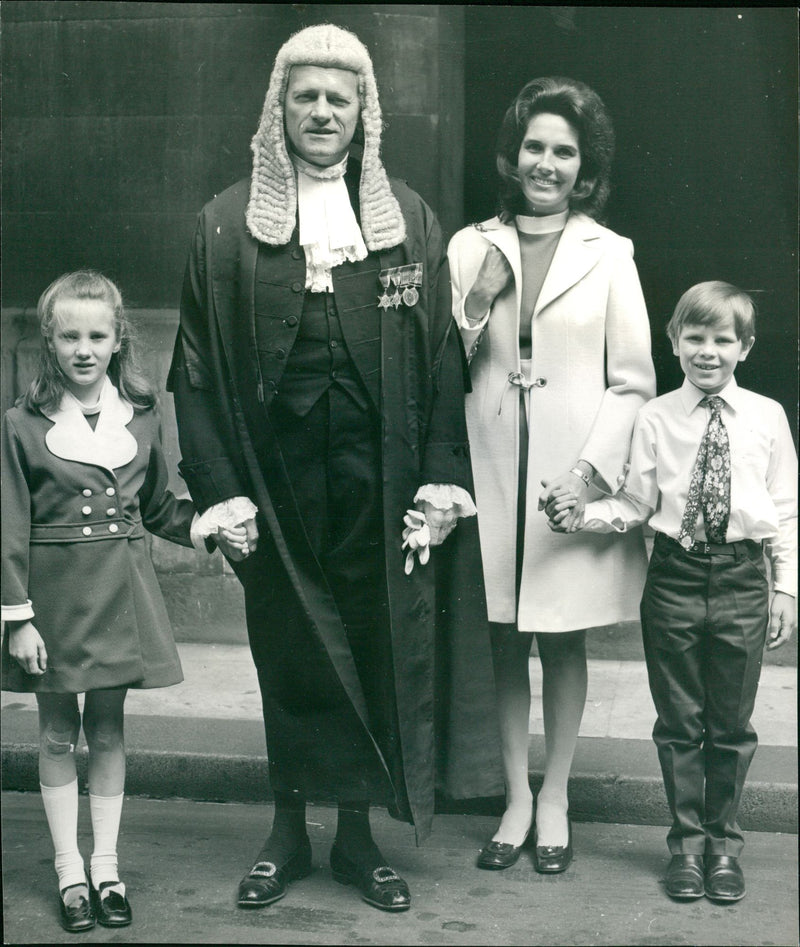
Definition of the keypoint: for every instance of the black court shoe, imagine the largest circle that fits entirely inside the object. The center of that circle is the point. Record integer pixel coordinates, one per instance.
(494, 856)
(552, 859)
(381, 887)
(267, 882)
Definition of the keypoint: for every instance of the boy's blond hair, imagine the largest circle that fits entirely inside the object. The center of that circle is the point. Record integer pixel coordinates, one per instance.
(712, 302)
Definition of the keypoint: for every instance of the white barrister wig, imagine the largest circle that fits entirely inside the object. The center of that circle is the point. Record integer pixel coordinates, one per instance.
(273, 189)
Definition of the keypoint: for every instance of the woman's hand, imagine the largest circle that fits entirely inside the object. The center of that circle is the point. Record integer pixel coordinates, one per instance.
(238, 542)
(564, 500)
(26, 647)
(493, 277)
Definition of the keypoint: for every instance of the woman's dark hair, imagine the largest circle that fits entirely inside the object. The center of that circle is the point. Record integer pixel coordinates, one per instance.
(584, 110)
(48, 386)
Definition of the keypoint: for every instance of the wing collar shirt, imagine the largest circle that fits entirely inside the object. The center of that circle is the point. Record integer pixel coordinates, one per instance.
(763, 473)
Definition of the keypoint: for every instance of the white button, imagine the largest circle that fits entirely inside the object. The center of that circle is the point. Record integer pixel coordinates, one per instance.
(87, 492)
(111, 511)
(113, 528)
(110, 491)
(87, 530)
(86, 510)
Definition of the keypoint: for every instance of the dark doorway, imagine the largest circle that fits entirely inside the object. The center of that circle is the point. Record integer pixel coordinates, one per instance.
(704, 102)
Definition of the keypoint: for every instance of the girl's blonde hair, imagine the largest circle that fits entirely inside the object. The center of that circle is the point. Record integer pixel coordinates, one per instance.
(47, 388)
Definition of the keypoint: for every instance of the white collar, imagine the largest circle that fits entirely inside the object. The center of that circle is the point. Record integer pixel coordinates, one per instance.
(551, 223)
(329, 232)
(691, 395)
(109, 445)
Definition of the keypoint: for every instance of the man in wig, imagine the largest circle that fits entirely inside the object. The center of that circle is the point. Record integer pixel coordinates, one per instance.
(319, 391)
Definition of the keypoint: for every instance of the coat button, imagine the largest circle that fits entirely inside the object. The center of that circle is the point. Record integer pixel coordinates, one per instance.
(280, 353)
(540, 382)
(291, 321)
(296, 254)
(113, 528)
(86, 510)
(111, 511)
(334, 344)
(87, 530)
(297, 287)
(110, 491)
(87, 492)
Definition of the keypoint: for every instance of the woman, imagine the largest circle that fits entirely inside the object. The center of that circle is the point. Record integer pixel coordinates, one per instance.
(553, 319)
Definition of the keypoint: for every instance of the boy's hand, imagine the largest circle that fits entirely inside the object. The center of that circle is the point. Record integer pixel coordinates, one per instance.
(238, 542)
(563, 500)
(26, 647)
(782, 620)
(563, 514)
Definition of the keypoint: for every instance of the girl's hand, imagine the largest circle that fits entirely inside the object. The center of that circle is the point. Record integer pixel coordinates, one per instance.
(782, 620)
(26, 647)
(238, 542)
(493, 277)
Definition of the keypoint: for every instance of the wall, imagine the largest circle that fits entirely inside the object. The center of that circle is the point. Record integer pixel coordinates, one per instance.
(122, 119)
(704, 102)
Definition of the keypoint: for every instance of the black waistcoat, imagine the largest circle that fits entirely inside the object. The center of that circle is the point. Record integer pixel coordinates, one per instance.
(319, 357)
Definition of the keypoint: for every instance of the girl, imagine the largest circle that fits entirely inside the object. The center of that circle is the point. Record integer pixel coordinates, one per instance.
(82, 473)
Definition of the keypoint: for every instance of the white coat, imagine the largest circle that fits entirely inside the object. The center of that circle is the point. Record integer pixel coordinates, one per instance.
(592, 368)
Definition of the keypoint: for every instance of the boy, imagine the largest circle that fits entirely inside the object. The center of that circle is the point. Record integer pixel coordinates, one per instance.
(714, 471)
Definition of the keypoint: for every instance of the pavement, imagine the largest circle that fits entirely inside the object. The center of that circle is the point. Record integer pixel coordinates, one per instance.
(198, 807)
(181, 861)
(204, 740)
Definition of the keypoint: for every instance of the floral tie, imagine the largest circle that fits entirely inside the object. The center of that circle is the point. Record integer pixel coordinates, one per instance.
(710, 487)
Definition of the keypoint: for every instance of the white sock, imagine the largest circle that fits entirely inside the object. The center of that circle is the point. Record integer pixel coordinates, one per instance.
(61, 808)
(106, 812)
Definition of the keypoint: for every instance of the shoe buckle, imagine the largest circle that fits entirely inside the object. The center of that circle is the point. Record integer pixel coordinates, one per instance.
(385, 874)
(263, 870)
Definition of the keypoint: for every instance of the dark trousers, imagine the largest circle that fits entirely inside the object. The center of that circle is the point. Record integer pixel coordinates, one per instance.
(704, 622)
(333, 460)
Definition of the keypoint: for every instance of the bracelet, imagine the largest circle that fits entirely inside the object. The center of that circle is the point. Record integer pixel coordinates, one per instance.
(579, 473)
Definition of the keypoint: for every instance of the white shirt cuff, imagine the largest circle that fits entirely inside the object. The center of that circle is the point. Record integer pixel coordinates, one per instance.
(17, 612)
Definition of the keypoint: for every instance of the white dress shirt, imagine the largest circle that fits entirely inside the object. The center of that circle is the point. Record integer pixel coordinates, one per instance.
(665, 442)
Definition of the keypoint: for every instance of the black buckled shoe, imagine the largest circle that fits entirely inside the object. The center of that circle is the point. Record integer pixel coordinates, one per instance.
(724, 880)
(552, 859)
(684, 879)
(78, 916)
(267, 882)
(112, 909)
(494, 856)
(381, 887)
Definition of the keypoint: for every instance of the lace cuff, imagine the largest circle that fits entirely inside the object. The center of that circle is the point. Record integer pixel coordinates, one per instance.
(446, 495)
(229, 513)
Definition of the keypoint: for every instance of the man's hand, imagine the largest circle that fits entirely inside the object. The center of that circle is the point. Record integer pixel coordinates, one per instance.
(238, 542)
(440, 522)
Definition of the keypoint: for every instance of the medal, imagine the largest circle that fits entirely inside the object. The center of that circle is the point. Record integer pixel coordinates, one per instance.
(406, 281)
(410, 296)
